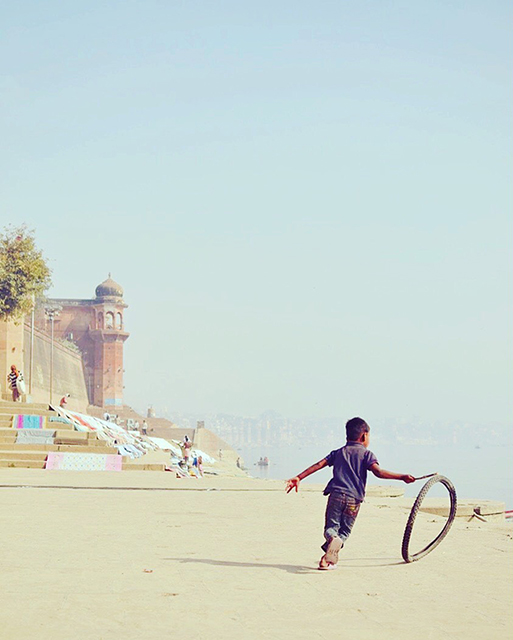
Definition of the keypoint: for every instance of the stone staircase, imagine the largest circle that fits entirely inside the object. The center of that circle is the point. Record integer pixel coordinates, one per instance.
(33, 456)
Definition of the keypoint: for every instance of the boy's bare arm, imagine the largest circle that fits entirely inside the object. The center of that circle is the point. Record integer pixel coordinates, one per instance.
(293, 483)
(390, 475)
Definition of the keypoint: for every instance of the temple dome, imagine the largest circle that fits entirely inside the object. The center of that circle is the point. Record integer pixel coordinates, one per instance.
(109, 289)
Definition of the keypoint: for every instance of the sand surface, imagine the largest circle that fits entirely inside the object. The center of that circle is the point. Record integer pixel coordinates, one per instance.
(234, 559)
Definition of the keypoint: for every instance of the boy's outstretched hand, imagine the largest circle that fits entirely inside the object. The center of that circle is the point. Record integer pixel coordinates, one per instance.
(407, 478)
(293, 483)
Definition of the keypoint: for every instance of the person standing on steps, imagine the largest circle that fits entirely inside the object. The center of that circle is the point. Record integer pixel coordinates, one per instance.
(200, 466)
(186, 447)
(12, 380)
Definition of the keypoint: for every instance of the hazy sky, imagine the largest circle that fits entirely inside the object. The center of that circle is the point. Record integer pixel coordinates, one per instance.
(308, 204)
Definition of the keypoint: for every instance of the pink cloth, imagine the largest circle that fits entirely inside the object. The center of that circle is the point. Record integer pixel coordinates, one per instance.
(113, 463)
(53, 461)
(83, 462)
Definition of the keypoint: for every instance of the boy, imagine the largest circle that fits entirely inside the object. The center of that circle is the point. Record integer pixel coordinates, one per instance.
(346, 490)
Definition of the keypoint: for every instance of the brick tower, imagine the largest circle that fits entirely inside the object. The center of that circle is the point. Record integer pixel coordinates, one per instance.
(97, 327)
(108, 337)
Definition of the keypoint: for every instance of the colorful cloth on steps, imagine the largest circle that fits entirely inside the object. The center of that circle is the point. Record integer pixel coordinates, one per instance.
(57, 419)
(129, 450)
(29, 422)
(83, 462)
(35, 436)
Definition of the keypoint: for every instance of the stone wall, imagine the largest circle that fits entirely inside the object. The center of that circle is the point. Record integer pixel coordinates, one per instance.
(68, 373)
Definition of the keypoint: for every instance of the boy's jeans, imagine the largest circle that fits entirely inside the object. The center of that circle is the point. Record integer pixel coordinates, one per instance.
(341, 512)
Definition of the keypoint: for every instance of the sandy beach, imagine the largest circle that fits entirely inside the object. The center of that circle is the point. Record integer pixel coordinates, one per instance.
(144, 555)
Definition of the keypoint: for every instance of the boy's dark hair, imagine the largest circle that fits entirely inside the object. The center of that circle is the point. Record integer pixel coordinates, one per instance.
(355, 428)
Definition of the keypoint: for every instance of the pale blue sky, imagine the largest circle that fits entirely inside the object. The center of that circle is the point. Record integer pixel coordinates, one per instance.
(307, 204)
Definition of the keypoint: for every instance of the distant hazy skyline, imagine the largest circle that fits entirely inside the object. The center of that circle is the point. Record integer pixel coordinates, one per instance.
(308, 204)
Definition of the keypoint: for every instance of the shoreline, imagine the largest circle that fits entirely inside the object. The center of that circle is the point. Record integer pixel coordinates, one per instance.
(162, 481)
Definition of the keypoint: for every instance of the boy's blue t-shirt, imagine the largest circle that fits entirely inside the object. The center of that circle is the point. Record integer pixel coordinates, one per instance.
(350, 465)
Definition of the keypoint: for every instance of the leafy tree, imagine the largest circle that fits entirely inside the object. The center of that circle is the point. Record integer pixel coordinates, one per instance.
(24, 273)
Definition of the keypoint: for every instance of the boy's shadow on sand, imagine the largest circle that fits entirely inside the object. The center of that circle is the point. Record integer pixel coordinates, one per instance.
(290, 568)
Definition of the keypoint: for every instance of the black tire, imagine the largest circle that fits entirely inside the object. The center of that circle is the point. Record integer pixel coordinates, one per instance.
(413, 514)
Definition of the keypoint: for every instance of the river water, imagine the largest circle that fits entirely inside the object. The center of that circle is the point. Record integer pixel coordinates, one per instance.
(482, 471)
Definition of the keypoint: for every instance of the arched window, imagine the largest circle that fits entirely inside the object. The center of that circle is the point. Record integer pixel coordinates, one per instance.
(100, 321)
(119, 321)
(109, 320)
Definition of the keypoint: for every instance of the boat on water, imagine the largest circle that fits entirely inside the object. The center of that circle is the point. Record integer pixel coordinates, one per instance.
(263, 462)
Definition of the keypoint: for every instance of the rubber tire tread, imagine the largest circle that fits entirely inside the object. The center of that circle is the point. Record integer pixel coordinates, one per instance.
(413, 514)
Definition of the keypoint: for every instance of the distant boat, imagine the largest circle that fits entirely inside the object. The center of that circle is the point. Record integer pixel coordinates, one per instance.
(263, 462)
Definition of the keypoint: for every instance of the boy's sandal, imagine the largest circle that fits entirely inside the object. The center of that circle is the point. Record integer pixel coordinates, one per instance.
(334, 546)
(324, 565)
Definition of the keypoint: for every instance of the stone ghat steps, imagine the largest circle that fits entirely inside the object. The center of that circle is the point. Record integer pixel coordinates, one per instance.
(27, 410)
(9, 435)
(72, 439)
(36, 463)
(23, 455)
(95, 444)
(140, 466)
(23, 464)
(77, 442)
(10, 408)
(66, 440)
(15, 406)
(6, 422)
(63, 448)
